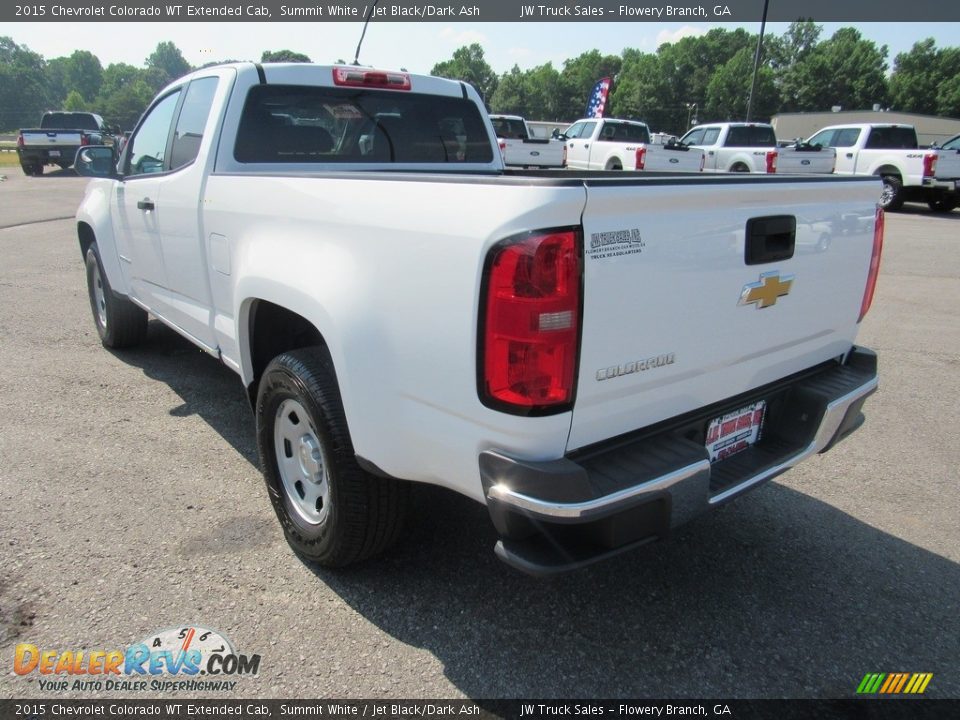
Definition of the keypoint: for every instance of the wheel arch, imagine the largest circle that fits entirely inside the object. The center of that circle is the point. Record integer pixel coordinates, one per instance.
(889, 170)
(270, 329)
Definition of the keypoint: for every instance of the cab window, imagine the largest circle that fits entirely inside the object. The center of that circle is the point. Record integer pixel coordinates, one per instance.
(147, 148)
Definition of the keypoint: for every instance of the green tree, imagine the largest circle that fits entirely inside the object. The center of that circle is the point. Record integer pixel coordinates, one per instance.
(56, 81)
(23, 88)
(75, 102)
(83, 73)
(845, 70)
(919, 74)
(643, 92)
(729, 90)
(468, 64)
(165, 64)
(948, 97)
(288, 56)
(510, 97)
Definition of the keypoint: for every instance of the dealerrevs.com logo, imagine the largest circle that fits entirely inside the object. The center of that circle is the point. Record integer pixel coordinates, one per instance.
(185, 658)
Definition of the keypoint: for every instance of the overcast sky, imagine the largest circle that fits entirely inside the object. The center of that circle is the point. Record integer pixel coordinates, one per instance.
(414, 46)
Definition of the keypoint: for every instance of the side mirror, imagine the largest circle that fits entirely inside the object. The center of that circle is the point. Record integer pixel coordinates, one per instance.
(96, 161)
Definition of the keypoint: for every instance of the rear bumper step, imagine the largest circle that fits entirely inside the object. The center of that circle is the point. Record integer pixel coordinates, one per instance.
(563, 514)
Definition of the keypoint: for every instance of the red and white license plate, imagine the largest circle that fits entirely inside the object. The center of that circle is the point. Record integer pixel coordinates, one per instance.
(735, 431)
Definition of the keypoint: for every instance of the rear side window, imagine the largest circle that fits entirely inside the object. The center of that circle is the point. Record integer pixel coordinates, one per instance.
(306, 124)
(625, 132)
(68, 121)
(953, 144)
(892, 138)
(509, 128)
(192, 120)
(751, 136)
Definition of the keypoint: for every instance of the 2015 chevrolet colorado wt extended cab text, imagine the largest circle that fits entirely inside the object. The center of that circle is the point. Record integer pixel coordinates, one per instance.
(595, 357)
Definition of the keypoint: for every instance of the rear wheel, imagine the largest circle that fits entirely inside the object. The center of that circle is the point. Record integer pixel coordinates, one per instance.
(944, 203)
(332, 512)
(119, 322)
(739, 168)
(614, 165)
(891, 196)
(32, 169)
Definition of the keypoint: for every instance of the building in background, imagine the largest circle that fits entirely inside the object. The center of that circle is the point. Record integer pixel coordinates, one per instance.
(930, 128)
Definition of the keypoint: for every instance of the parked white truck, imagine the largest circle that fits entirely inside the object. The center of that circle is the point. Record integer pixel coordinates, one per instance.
(610, 144)
(891, 152)
(521, 149)
(595, 359)
(56, 141)
(753, 148)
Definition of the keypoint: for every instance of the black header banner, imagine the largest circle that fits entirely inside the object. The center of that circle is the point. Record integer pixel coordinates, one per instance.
(479, 11)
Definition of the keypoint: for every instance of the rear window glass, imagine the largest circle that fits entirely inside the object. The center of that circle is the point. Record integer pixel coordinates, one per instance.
(751, 136)
(69, 121)
(305, 124)
(625, 132)
(892, 138)
(509, 128)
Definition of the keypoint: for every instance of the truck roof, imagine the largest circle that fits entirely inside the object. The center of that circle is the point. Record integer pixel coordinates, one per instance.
(323, 76)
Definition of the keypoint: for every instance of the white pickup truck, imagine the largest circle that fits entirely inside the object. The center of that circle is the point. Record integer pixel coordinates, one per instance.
(610, 144)
(595, 359)
(891, 152)
(521, 149)
(753, 148)
(56, 141)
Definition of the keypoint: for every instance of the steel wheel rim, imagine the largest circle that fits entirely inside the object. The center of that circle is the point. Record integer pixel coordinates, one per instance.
(99, 298)
(886, 194)
(301, 462)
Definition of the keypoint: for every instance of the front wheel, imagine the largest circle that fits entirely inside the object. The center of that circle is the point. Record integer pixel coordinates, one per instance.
(891, 195)
(332, 511)
(944, 203)
(119, 322)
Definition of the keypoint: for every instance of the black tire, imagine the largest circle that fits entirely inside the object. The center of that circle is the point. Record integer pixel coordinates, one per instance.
(120, 323)
(32, 169)
(891, 197)
(944, 203)
(614, 165)
(355, 514)
(739, 168)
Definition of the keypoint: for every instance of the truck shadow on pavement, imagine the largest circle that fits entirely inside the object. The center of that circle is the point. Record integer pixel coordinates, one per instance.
(915, 209)
(207, 387)
(776, 595)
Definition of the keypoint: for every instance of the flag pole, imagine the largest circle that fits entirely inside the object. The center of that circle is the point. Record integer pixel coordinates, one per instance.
(756, 59)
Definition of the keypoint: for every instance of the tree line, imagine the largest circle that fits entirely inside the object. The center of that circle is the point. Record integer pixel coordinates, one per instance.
(704, 78)
(708, 78)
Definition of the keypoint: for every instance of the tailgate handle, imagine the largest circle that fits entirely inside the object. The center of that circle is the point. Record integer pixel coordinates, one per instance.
(770, 239)
(145, 204)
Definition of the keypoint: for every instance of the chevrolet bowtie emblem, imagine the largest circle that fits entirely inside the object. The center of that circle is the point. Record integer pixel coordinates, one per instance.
(765, 292)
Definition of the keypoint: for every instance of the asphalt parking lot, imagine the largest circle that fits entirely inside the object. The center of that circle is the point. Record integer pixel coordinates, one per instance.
(131, 501)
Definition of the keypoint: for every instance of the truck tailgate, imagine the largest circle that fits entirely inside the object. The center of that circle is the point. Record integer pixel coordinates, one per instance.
(664, 331)
(813, 160)
(948, 165)
(51, 138)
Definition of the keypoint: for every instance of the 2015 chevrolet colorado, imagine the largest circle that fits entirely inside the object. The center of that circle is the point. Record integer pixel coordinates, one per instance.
(596, 357)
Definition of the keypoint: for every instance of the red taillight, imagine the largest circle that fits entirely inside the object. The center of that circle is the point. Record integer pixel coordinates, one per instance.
(930, 165)
(771, 161)
(20, 140)
(874, 264)
(84, 139)
(357, 77)
(641, 157)
(503, 147)
(530, 323)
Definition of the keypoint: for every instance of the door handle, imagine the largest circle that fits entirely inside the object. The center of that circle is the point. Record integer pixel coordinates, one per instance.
(849, 155)
(586, 145)
(145, 204)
